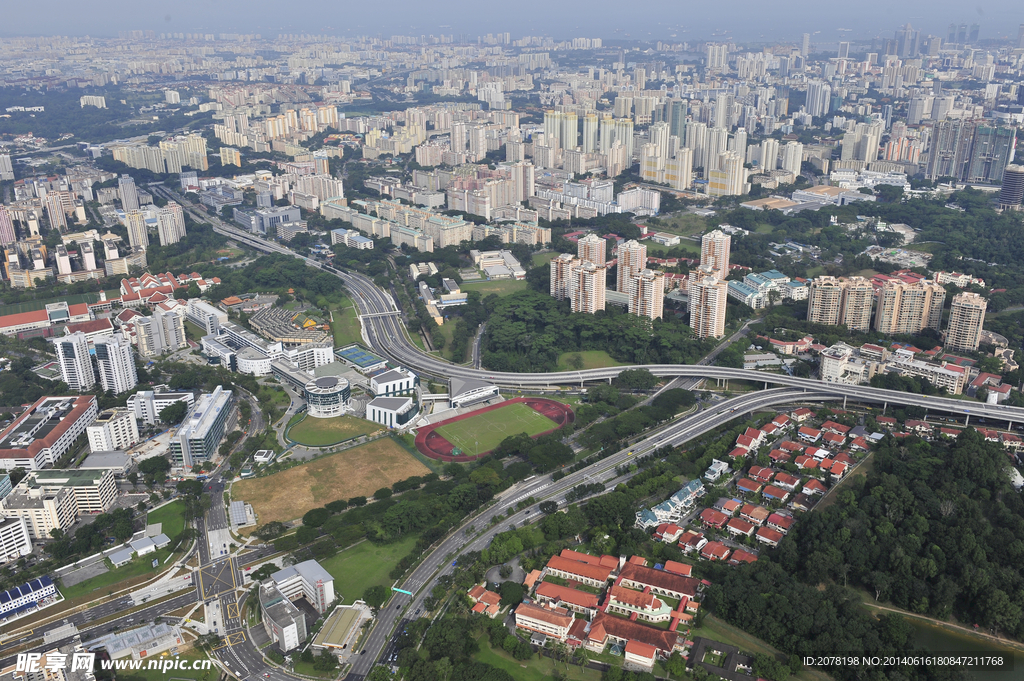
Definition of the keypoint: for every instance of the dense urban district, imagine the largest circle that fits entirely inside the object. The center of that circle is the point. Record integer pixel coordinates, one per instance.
(477, 358)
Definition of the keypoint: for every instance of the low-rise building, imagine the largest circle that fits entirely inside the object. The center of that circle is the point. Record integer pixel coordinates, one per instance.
(113, 429)
(550, 621)
(45, 431)
(392, 412)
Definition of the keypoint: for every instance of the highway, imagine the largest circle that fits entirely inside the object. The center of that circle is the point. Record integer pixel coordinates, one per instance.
(384, 332)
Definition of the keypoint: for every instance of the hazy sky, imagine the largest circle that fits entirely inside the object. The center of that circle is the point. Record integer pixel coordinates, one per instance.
(743, 20)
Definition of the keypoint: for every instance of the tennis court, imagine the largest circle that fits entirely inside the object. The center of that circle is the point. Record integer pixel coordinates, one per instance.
(33, 305)
(358, 356)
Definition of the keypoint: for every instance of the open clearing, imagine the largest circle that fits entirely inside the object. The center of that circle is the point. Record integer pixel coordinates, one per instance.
(355, 472)
(484, 432)
(592, 359)
(358, 568)
(501, 287)
(346, 327)
(323, 432)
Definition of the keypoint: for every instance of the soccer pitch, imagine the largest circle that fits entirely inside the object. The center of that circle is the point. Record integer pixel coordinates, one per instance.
(483, 432)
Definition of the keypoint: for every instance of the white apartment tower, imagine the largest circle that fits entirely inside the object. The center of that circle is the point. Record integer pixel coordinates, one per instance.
(708, 295)
(587, 287)
(127, 192)
(113, 430)
(561, 272)
(75, 364)
(115, 364)
(138, 235)
(632, 260)
(592, 248)
(163, 332)
(647, 298)
(170, 223)
(714, 251)
(966, 317)
(792, 157)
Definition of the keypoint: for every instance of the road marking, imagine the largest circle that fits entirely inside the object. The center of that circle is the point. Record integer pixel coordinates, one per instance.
(232, 611)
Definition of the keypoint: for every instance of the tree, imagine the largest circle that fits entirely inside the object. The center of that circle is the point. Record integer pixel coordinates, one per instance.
(316, 517)
(511, 592)
(193, 290)
(382, 493)
(376, 596)
(174, 413)
(133, 478)
(548, 507)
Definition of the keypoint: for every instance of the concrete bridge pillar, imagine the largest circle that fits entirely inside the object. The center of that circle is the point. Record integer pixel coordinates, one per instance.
(844, 402)
(967, 421)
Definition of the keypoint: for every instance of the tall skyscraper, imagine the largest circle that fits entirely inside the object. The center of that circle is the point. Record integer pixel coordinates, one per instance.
(729, 178)
(163, 332)
(970, 151)
(792, 157)
(7, 233)
(717, 57)
(632, 260)
(138, 235)
(127, 192)
(714, 251)
(819, 98)
(834, 301)
(587, 283)
(592, 248)
(769, 153)
(677, 118)
(74, 361)
(55, 211)
(805, 45)
(115, 364)
(1011, 196)
(590, 127)
(170, 223)
(6, 169)
(908, 308)
(561, 271)
(647, 298)
(708, 295)
(966, 318)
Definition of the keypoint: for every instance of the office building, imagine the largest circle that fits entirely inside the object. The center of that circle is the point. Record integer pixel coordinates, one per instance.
(391, 412)
(147, 404)
(708, 296)
(114, 429)
(170, 223)
(115, 364)
(127, 193)
(15, 539)
(966, 318)
(138, 233)
(647, 295)
(74, 361)
(6, 169)
(45, 431)
(309, 580)
(561, 272)
(284, 623)
(632, 259)
(92, 492)
(1011, 196)
(714, 251)
(205, 316)
(846, 302)
(7, 233)
(327, 396)
(906, 309)
(163, 332)
(198, 437)
(586, 287)
(592, 248)
(42, 511)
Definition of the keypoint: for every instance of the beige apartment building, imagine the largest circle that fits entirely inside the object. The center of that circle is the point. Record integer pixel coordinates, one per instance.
(592, 248)
(714, 251)
(848, 301)
(647, 297)
(561, 271)
(905, 308)
(587, 284)
(966, 318)
(708, 295)
(632, 260)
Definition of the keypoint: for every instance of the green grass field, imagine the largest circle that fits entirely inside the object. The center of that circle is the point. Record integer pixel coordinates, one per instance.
(116, 580)
(323, 432)
(346, 326)
(537, 668)
(189, 674)
(592, 359)
(483, 432)
(364, 565)
(501, 287)
(171, 518)
(543, 258)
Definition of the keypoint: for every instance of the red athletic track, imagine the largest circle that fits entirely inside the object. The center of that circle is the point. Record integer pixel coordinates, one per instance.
(432, 444)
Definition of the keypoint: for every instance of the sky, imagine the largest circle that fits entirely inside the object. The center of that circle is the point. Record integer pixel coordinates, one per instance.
(741, 20)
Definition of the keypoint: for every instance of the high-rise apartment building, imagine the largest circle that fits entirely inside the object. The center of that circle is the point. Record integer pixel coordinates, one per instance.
(632, 259)
(6, 169)
(138, 234)
(74, 361)
(163, 332)
(729, 178)
(819, 98)
(714, 251)
(834, 301)
(647, 298)
(592, 248)
(905, 308)
(170, 223)
(587, 283)
(970, 151)
(792, 157)
(7, 233)
(805, 45)
(769, 153)
(708, 295)
(1011, 196)
(115, 364)
(561, 272)
(966, 317)
(127, 192)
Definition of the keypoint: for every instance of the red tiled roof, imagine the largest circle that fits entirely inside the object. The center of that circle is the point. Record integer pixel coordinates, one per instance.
(641, 649)
(710, 516)
(636, 599)
(92, 326)
(740, 556)
(622, 628)
(659, 578)
(573, 567)
(769, 535)
(748, 485)
(566, 594)
(779, 520)
(774, 492)
(714, 550)
(81, 405)
(815, 486)
(676, 568)
(740, 526)
(558, 617)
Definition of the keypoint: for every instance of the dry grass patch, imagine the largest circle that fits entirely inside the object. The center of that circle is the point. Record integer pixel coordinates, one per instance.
(355, 472)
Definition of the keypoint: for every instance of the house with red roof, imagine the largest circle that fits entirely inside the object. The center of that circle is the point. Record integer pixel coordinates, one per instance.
(754, 514)
(692, 541)
(727, 505)
(568, 598)
(769, 429)
(761, 474)
(950, 432)
(485, 602)
(838, 470)
(802, 414)
(791, 446)
(779, 456)
(781, 420)
(676, 568)
(668, 533)
(887, 421)
(809, 434)
(859, 444)
(755, 435)
(714, 550)
(786, 481)
(833, 427)
(640, 655)
(804, 462)
(748, 486)
(585, 573)
(773, 492)
(738, 453)
(746, 442)
(709, 517)
(920, 427)
(780, 522)
(742, 556)
(833, 440)
(767, 535)
(739, 527)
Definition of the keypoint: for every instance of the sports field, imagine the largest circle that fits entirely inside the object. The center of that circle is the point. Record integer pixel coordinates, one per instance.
(483, 432)
(355, 472)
